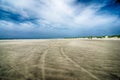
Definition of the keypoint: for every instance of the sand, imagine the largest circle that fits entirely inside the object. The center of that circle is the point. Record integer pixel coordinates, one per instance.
(60, 59)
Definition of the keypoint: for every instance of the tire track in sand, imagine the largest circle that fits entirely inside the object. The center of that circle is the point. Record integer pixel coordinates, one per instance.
(77, 65)
(43, 63)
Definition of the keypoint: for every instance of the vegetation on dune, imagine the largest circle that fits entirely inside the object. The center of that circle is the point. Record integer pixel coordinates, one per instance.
(90, 37)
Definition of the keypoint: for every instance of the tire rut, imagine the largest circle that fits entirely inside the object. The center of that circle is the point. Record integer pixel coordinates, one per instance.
(77, 65)
(43, 63)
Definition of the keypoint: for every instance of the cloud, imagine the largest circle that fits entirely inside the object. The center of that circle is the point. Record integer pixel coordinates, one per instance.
(16, 27)
(52, 16)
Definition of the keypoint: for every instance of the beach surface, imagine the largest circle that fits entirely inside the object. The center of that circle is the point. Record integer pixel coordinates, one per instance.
(59, 59)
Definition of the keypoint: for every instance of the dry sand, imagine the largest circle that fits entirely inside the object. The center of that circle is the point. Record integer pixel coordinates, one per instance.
(60, 59)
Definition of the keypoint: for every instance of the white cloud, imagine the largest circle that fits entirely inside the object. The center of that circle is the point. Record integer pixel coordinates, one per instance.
(20, 3)
(7, 25)
(62, 12)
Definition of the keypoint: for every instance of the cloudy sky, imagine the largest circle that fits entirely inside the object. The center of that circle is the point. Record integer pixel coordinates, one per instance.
(58, 18)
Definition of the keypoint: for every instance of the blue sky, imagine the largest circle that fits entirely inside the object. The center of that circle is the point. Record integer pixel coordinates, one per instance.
(58, 18)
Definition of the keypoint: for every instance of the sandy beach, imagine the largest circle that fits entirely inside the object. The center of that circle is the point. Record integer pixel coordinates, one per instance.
(60, 59)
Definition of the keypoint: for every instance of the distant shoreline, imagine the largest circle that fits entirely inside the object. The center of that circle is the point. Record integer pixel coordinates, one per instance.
(112, 37)
(67, 39)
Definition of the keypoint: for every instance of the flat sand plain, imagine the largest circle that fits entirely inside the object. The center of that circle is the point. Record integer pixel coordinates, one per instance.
(59, 59)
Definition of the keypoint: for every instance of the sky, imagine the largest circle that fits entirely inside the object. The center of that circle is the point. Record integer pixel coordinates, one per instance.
(58, 18)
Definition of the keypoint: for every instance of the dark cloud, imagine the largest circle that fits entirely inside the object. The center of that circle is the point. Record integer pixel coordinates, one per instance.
(14, 17)
(111, 8)
(92, 1)
(117, 1)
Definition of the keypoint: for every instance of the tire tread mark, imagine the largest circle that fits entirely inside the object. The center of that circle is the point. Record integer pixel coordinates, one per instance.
(43, 63)
(77, 65)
